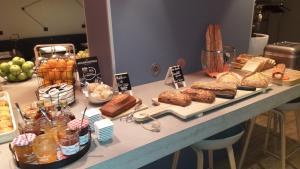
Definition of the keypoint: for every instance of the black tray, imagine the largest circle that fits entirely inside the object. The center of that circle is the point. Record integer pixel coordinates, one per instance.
(54, 165)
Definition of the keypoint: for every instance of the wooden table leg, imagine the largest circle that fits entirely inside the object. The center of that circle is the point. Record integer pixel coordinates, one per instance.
(231, 157)
(248, 137)
(210, 159)
(297, 115)
(175, 159)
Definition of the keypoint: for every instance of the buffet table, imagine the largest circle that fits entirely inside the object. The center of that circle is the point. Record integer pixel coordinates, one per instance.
(134, 147)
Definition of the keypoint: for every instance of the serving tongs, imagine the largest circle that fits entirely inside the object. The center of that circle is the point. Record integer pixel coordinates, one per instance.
(44, 113)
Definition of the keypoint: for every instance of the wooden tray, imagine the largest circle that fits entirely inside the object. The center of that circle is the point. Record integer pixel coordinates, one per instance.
(196, 108)
(126, 113)
(57, 164)
(294, 77)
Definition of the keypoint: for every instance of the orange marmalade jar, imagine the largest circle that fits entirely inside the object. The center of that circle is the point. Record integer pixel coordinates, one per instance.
(23, 147)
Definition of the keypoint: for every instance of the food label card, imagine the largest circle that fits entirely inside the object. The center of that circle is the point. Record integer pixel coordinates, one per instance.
(88, 70)
(175, 75)
(123, 82)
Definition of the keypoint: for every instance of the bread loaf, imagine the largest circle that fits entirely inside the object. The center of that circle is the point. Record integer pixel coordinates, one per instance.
(257, 80)
(118, 104)
(229, 77)
(217, 87)
(200, 95)
(172, 97)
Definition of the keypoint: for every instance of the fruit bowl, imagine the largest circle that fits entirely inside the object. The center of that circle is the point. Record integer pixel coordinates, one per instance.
(17, 70)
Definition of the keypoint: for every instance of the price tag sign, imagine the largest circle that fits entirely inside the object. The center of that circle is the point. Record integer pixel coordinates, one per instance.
(175, 75)
(88, 70)
(123, 82)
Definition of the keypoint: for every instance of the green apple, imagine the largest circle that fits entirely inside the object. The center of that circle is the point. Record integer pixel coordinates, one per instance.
(10, 63)
(30, 63)
(4, 67)
(18, 61)
(29, 73)
(26, 67)
(22, 76)
(2, 74)
(15, 70)
(22, 61)
(11, 77)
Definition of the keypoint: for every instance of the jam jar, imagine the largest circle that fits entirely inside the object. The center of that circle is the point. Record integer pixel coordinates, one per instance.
(68, 141)
(84, 134)
(44, 147)
(30, 127)
(23, 147)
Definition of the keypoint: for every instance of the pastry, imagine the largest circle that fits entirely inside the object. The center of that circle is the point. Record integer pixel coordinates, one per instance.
(118, 104)
(172, 97)
(100, 91)
(243, 58)
(257, 80)
(6, 124)
(278, 71)
(217, 87)
(200, 95)
(229, 77)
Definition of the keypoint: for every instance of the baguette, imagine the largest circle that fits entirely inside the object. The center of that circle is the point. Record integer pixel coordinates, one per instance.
(200, 95)
(172, 97)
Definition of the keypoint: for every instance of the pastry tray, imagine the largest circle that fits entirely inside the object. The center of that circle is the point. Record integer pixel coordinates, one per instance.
(57, 164)
(196, 108)
(8, 136)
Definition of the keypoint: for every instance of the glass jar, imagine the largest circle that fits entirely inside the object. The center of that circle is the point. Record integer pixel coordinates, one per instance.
(215, 62)
(84, 134)
(66, 110)
(43, 124)
(22, 145)
(68, 141)
(30, 127)
(44, 147)
(54, 133)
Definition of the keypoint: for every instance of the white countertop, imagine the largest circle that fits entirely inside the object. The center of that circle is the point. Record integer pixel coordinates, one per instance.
(133, 147)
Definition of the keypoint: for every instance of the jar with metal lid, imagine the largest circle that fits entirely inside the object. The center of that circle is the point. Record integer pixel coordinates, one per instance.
(84, 134)
(23, 147)
(68, 141)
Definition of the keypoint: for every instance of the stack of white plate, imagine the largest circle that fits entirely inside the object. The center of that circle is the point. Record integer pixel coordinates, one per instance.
(93, 115)
(104, 130)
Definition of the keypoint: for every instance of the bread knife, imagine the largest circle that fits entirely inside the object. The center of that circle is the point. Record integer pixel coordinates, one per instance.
(225, 96)
(247, 88)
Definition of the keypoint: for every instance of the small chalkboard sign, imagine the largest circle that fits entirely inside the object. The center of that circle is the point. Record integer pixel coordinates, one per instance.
(175, 75)
(123, 82)
(88, 70)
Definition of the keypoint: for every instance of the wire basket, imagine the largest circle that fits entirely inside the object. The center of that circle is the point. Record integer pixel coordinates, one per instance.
(56, 80)
(55, 94)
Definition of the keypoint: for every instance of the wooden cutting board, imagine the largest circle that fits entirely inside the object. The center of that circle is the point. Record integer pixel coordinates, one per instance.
(195, 109)
(294, 77)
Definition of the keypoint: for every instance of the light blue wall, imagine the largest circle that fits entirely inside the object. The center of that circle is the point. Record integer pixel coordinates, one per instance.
(161, 31)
